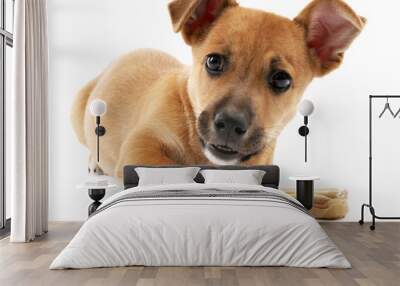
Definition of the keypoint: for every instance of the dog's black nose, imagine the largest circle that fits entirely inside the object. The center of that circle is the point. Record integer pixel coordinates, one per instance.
(230, 125)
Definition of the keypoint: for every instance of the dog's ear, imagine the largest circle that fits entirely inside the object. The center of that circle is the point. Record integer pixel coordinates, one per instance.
(194, 17)
(331, 26)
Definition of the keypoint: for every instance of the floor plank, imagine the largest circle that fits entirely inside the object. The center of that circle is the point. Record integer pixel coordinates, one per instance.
(375, 257)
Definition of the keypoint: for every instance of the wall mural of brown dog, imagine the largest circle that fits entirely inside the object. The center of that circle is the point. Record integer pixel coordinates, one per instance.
(250, 69)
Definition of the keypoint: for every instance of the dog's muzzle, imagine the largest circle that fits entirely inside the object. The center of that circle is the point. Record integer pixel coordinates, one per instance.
(226, 137)
(230, 126)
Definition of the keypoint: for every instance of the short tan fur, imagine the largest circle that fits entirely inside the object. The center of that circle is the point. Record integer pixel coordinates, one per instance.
(162, 112)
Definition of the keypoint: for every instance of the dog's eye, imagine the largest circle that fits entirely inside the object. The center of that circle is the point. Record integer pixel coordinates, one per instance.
(280, 81)
(215, 64)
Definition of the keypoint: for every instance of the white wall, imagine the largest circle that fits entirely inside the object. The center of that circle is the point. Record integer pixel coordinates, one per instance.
(86, 35)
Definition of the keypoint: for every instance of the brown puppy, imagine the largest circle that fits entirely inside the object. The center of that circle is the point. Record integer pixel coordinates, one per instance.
(250, 69)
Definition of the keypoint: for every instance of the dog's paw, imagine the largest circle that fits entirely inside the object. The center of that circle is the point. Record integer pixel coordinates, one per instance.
(94, 169)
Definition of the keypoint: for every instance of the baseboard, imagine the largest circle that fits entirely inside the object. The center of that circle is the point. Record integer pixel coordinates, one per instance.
(5, 231)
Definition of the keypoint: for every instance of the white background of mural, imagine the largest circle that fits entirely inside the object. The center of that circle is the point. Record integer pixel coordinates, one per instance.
(85, 36)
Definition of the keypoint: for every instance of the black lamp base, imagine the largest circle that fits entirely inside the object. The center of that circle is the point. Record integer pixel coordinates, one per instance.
(96, 195)
(304, 131)
(100, 130)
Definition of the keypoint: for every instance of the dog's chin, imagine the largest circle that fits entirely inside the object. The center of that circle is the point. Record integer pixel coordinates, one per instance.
(220, 156)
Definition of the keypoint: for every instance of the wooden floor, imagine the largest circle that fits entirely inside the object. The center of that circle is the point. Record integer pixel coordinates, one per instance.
(375, 257)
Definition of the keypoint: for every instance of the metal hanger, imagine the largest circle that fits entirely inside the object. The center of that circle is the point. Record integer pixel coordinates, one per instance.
(387, 107)
(397, 113)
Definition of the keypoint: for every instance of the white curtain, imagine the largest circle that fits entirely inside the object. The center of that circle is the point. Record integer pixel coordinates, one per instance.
(28, 148)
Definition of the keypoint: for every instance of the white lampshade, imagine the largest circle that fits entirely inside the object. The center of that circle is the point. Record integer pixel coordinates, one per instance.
(98, 107)
(306, 107)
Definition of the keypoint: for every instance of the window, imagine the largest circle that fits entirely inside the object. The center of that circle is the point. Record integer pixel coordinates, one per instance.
(6, 44)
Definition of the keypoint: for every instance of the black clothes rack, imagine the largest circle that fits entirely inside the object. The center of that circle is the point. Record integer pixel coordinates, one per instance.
(370, 204)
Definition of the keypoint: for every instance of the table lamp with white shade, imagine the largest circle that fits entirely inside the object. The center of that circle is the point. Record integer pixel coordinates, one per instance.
(306, 108)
